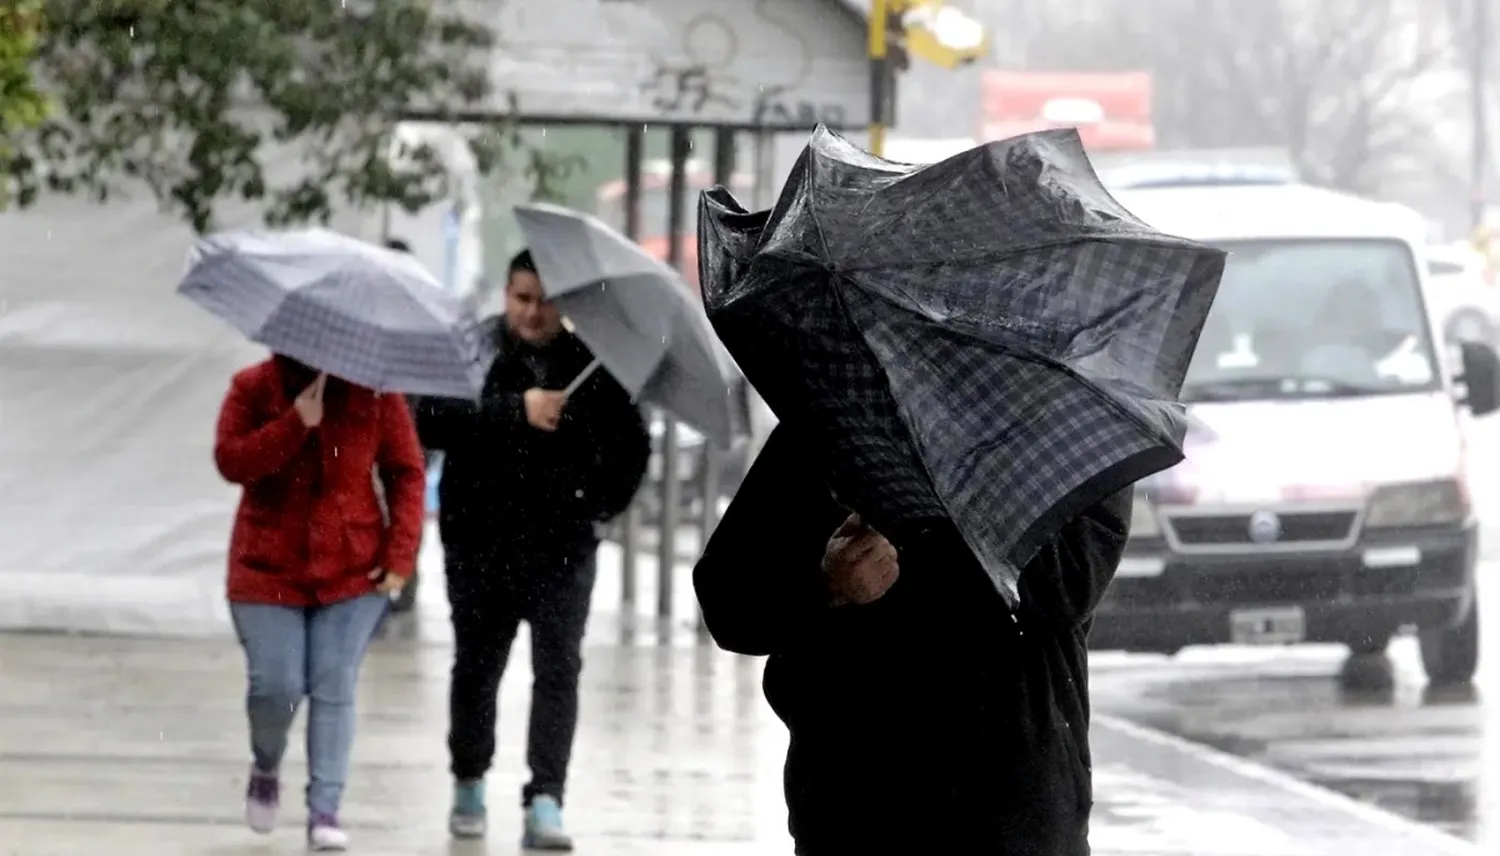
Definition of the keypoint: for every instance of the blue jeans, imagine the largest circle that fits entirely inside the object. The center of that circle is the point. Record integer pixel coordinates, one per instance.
(292, 653)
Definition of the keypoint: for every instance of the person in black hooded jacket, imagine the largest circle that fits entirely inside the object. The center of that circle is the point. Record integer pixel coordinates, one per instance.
(529, 474)
(924, 713)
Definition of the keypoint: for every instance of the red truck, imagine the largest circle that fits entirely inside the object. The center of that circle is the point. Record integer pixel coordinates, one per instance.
(1111, 110)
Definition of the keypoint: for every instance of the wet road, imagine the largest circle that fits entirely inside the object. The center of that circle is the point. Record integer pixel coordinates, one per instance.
(137, 746)
(1367, 727)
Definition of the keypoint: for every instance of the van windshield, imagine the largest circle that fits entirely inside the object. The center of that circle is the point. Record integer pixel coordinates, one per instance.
(1314, 319)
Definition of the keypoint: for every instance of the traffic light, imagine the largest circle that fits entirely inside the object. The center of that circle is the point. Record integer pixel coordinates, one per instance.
(925, 29)
(935, 33)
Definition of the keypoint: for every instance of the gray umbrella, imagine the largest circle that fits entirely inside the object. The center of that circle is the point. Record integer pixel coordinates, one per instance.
(635, 313)
(360, 312)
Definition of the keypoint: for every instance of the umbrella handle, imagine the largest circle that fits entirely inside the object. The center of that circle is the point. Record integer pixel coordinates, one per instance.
(573, 385)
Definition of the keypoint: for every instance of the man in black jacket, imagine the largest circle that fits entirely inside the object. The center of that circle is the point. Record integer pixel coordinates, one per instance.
(529, 475)
(925, 715)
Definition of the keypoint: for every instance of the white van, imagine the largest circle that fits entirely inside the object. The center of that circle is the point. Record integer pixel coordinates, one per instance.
(1324, 496)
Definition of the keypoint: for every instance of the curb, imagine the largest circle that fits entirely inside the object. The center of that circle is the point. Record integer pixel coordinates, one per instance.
(1440, 842)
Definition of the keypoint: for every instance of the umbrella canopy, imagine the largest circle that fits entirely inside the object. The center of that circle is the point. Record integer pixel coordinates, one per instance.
(991, 339)
(635, 313)
(363, 313)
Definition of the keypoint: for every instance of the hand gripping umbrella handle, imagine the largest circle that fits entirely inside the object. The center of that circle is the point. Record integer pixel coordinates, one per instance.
(573, 385)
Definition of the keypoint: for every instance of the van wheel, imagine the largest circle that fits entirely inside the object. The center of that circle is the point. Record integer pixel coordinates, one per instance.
(1450, 655)
(1470, 327)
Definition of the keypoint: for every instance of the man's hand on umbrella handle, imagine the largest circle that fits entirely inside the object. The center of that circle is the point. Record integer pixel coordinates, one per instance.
(544, 408)
(859, 564)
(387, 583)
(309, 403)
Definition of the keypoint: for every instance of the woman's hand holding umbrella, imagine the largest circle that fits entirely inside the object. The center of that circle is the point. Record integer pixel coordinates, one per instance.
(309, 403)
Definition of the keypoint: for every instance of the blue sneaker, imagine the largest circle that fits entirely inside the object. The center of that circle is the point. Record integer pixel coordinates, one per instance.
(468, 819)
(544, 826)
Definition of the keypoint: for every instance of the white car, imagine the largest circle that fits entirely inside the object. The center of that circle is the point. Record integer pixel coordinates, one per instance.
(1465, 303)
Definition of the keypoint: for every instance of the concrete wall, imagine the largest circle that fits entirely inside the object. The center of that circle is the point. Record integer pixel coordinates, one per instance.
(777, 63)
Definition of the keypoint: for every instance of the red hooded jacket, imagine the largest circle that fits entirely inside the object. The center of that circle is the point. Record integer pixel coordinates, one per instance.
(310, 526)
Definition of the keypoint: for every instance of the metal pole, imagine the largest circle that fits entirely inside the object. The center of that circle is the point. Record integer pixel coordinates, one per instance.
(671, 490)
(630, 546)
(765, 155)
(724, 156)
(712, 462)
(879, 73)
(1478, 71)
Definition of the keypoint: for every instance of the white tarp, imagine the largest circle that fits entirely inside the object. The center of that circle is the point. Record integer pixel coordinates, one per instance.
(112, 517)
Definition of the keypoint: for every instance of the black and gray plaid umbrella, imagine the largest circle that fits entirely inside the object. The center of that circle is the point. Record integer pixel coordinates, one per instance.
(991, 339)
(635, 313)
(363, 313)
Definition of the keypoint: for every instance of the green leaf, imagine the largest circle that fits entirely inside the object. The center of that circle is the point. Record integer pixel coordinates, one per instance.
(206, 100)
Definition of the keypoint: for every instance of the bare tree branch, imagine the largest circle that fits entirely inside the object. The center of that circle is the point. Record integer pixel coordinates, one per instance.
(1344, 85)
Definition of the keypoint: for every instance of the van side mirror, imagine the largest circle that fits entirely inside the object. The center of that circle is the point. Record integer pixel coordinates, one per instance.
(1481, 378)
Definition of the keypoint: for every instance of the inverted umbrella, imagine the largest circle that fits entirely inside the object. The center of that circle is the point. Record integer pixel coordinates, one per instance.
(363, 313)
(991, 339)
(635, 313)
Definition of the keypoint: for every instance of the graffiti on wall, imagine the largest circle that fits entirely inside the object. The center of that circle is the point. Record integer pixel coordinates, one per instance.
(689, 90)
(775, 63)
(777, 106)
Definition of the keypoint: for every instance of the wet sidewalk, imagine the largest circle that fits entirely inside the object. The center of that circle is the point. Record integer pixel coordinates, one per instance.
(137, 746)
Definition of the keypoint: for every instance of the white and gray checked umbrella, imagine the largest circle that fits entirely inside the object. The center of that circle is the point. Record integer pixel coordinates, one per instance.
(369, 315)
(991, 339)
(635, 313)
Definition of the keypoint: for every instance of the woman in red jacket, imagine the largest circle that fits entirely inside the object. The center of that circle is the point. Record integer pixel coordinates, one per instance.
(326, 532)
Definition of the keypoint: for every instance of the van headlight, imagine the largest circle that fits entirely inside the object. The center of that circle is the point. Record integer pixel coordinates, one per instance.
(1143, 520)
(1424, 503)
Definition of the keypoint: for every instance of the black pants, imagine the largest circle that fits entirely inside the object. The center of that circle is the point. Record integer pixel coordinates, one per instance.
(490, 597)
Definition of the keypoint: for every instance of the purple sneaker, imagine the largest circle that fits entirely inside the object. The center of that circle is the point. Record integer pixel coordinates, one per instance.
(324, 835)
(262, 801)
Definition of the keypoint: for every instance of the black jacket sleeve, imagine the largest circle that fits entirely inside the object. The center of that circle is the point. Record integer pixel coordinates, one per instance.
(1067, 578)
(443, 423)
(619, 449)
(757, 581)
